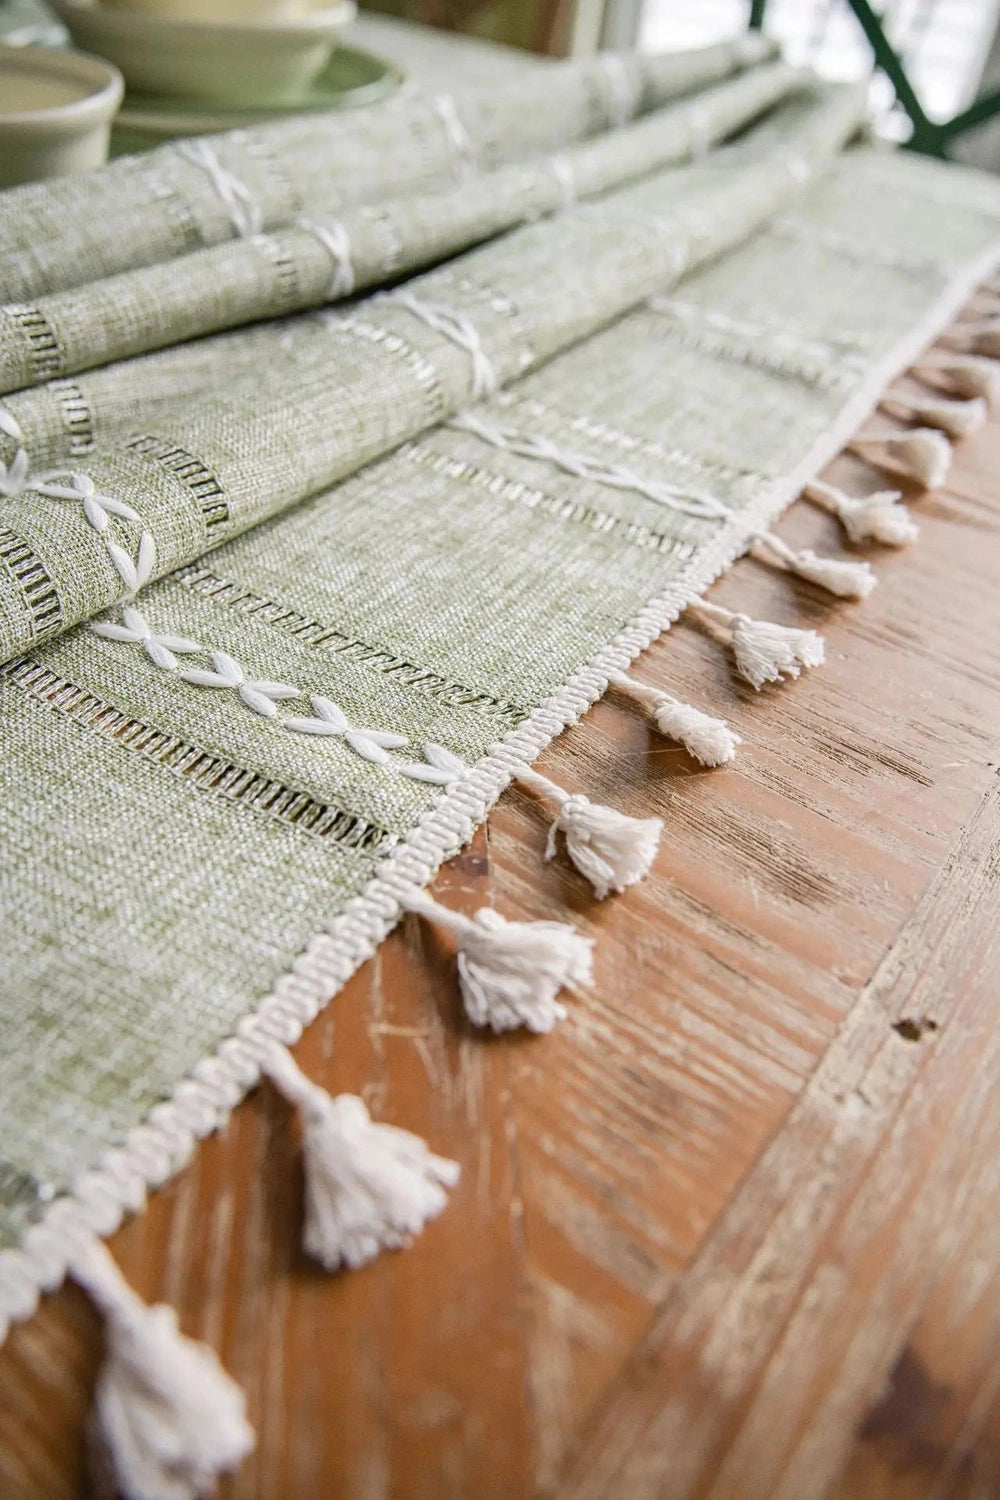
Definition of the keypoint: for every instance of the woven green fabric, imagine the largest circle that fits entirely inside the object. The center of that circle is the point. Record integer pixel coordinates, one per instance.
(171, 851)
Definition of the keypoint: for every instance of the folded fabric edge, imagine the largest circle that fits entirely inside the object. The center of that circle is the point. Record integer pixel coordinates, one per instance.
(66, 1237)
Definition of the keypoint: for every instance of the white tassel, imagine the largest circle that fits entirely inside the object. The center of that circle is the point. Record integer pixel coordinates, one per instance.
(923, 453)
(840, 576)
(167, 1417)
(611, 849)
(369, 1187)
(763, 652)
(709, 740)
(980, 336)
(966, 377)
(956, 418)
(872, 518)
(511, 972)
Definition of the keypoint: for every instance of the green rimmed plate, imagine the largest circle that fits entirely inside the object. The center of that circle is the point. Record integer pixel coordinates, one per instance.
(351, 78)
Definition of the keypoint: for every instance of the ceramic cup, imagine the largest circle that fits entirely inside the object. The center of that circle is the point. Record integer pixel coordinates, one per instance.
(56, 110)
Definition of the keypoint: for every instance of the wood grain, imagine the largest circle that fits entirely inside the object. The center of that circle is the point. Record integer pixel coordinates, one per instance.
(733, 1231)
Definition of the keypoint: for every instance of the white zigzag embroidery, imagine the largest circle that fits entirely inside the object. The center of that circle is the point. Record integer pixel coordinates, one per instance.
(440, 767)
(16, 478)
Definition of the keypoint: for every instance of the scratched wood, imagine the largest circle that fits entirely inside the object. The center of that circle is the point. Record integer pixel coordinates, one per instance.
(733, 1231)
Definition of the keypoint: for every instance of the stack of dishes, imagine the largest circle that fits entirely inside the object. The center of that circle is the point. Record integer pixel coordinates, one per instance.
(196, 66)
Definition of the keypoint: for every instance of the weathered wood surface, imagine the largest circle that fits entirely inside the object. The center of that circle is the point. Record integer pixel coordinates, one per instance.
(733, 1231)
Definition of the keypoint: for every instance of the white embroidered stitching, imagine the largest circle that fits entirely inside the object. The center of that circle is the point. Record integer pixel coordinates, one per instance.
(336, 241)
(236, 198)
(440, 766)
(16, 478)
(530, 445)
(454, 326)
(458, 137)
(743, 328)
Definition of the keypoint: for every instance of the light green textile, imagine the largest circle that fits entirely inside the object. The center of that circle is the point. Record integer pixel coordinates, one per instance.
(168, 851)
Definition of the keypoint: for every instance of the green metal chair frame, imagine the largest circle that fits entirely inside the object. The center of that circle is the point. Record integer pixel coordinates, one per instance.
(933, 137)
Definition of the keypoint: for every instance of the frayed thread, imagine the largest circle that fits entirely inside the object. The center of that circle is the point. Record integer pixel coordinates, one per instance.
(708, 739)
(878, 517)
(841, 576)
(923, 454)
(368, 1187)
(762, 651)
(612, 850)
(167, 1419)
(510, 972)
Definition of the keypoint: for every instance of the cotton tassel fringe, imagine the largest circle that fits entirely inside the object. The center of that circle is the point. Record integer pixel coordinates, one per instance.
(368, 1187)
(511, 972)
(872, 518)
(840, 576)
(167, 1418)
(957, 418)
(762, 651)
(611, 850)
(923, 453)
(709, 740)
(969, 377)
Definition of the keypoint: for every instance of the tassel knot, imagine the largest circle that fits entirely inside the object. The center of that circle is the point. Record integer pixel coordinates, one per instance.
(709, 740)
(966, 377)
(609, 848)
(871, 518)
(841, 576)
(956, 418)
(368, 1187)
(511, 972)
(923, 453)
(762, 651)
(612, 850)
(765, 652)
(166, 1414)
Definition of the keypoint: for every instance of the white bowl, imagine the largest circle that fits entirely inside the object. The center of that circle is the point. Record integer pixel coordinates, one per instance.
(250, 62)
(55, 112)
(251, 11)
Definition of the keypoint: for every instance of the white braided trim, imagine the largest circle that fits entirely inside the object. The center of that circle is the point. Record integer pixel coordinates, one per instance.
(439, 766)
(456, 327)
(336, 241)
(236, 198)
(16, 478)
(530, 445)
(153, 1151)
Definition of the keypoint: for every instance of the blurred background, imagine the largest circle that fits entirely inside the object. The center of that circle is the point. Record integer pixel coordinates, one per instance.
(950, 49)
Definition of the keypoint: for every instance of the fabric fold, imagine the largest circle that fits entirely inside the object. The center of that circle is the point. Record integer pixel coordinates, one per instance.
(166, 202)
(318, 258)
(289, 408)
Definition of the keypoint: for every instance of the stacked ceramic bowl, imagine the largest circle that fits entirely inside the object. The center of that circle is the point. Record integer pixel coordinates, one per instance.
(195, 66)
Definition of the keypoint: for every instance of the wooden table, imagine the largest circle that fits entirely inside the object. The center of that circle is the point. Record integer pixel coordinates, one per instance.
(733, 1231)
